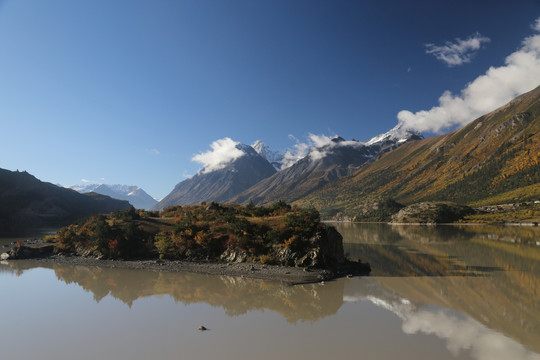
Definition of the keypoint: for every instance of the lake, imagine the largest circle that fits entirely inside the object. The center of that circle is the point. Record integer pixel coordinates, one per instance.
(469, 292)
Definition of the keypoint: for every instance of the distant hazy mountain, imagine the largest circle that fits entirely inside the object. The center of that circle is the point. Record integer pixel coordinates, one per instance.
(26, 203)
(494, 159)
(222, 184)
(273, 157)
(134, 194)
(322, 165)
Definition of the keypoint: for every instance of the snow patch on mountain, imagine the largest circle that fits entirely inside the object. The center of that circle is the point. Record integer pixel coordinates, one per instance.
(319, 146)
(398, 134)
(134, 194)
(273, 157)
(83, 188)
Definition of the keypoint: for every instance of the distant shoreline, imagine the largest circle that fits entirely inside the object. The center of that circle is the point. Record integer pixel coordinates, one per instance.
(525, 224)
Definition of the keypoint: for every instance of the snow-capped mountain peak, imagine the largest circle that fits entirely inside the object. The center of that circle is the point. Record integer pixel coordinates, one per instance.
(398, 134)
(273, 157)
(134, 194)
(83, 188)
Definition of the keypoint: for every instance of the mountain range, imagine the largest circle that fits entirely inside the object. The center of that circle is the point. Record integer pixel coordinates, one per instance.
(28, 203)
(492, 160)
(322, 165)
(134, 194)
(493, 157)
(255, 177)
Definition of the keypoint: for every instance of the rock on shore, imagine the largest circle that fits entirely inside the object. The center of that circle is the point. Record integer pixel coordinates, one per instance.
(432, 213)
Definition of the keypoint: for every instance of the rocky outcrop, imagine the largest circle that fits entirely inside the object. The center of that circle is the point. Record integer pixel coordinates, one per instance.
(432, 213)
(234, 255)
(27, 252)
(322, 251)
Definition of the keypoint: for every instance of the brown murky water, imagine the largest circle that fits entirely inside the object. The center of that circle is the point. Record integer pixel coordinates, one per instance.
(435, 293)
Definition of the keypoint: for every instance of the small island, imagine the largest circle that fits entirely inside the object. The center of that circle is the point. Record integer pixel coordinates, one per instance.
(278, 242)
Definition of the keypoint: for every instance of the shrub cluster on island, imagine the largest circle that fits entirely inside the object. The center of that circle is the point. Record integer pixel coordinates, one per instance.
(275, 235)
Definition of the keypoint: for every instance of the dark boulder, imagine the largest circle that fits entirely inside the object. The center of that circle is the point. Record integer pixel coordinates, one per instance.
(27, 252)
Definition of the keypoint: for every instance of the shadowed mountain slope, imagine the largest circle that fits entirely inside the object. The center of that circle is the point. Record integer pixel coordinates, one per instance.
(26, 203)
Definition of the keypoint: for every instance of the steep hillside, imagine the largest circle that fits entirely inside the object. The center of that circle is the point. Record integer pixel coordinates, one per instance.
(322, 165)
(220, 185)
(26, 202)
(497, 153)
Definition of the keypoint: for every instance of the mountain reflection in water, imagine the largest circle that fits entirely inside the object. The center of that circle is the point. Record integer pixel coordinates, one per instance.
(401, 250)
(235, 295)
(461, 333)
(490, 273)
(475, 288)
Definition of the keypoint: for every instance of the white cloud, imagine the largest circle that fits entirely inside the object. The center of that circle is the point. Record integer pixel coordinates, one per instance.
(464, 335)
(499, 85)
(88, 181)
(155, 151)
(458, 53)
(321, 146)
(320, 140)
(301, 150)
(224, 151)
(536, 25)
(298, 152)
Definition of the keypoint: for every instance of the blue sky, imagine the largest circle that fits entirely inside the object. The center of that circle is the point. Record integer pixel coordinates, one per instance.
(129, 91)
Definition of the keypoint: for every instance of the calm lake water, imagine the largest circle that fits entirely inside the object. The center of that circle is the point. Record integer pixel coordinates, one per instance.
(435, 293)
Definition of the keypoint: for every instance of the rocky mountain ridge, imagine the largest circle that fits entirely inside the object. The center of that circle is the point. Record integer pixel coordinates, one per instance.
(322, 165)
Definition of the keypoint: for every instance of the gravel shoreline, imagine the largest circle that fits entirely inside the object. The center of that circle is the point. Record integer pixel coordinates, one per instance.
(288, 275)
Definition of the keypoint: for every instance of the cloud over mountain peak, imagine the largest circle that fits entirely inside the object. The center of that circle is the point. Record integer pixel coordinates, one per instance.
(223, 152)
